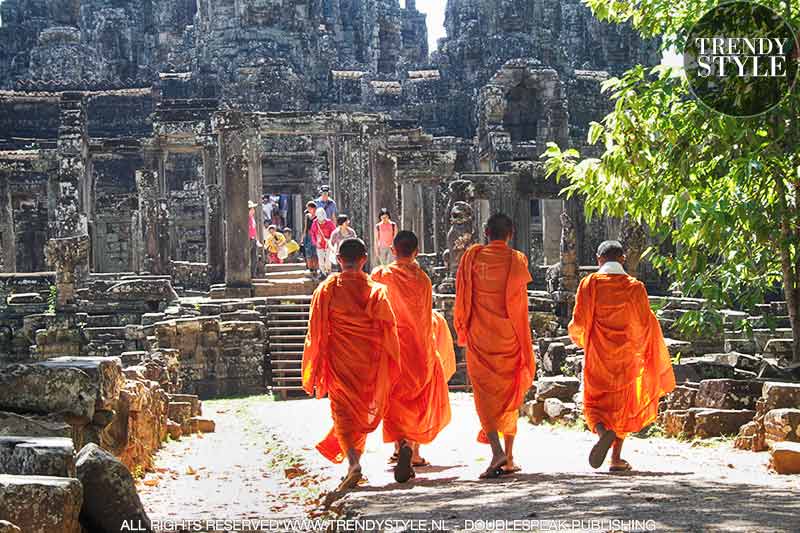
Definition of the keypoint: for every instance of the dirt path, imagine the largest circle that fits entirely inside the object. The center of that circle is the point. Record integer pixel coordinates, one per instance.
(677, 486)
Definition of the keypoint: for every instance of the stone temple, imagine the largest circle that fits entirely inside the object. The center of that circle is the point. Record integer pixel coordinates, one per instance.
(133, 133)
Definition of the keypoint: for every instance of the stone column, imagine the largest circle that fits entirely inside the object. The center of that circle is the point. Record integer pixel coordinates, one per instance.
(68, 256)
(551, 229)
(567, 271)
(215, 236)
(8, 250)
(234, 149)
(68, 218)
(462, 231)
(634, 240)
(153, 216)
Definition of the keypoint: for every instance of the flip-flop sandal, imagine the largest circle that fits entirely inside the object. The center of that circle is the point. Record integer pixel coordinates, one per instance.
(393, 459)
(350, 481)
(509, 471)
(622, 466)
(494, 471)
(421, 464)
(403, 471)
(599, 451)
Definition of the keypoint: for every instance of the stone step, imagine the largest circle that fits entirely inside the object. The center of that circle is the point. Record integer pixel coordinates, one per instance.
(287, 363)
(287, 372)
(286, 380)
(282, 339)
(286, 274)
(284, 267)
(305, 298)
(290, 325)
(288, 307)
(286, 347)
(276, 333)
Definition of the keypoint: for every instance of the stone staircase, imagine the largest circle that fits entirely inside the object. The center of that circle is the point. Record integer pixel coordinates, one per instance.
(287, 324)
(289, 279)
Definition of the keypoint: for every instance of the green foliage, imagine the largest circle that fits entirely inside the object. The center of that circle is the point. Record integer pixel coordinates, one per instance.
(51, 299)
(722, 192)
(701, 324)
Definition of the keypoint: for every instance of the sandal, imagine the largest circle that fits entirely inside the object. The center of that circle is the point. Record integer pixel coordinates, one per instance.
(622, 466)
(494, 471)
(403, 471)
(421, 464)
(599, 451)
(509, 471)
(393, 459)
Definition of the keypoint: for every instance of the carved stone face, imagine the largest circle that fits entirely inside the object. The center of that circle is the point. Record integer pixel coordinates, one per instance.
(461, 214)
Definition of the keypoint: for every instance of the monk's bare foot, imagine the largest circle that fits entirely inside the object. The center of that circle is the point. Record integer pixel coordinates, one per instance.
(495, 468)
(620, 465)
(599, 451)
(349, 481)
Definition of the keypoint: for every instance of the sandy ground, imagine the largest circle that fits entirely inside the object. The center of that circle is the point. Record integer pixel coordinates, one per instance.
(261, 464)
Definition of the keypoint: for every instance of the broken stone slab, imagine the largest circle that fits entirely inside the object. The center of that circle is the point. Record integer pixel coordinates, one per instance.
(747, 346)
(39, 389)
(8, 527)
(174, 429)
(678, 423)
(779, 348)
(37, 456)
(199, 424)
(782, 425)
(780, 395)
(25, 298)
(554, 358)
(675, 347)
(197, 405)
(785, 457)
(751, 438)
(180, 412)
(728, 394)
(534, 412)
(13, 424)
(41, 504)
(555, 409)
(700, 368)
(681, 398)
(718, 422)
(149, 290)
(561, 387)
(110, 498)
(738, 360)
(106, 371)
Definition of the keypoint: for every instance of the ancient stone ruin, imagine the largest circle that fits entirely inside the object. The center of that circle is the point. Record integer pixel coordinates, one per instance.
(132, 136)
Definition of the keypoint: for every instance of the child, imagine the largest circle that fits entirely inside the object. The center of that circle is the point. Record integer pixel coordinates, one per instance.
(385, 232)
(343, 231)
(321, 231)
(292, 248)
(273, 243)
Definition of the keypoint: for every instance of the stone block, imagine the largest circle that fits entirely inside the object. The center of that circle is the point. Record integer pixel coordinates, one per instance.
(8, 527)
(785, 457)
(561, 387)
(728, 394)
(40, 504)
(40, 389)
(554, 358)
(203, 425)
(13, 424)
(37, 456)
(555, 409)
(180, 412)
(779, 348)
(718, 422)
(25, 298)
(675, 347)
(678, 423)
(174, 429)
(681, 398)
(110, 498)
(700, 368)
(751, 437)
(781, 396)
(197, 405)
(782, 425)
(534, 412)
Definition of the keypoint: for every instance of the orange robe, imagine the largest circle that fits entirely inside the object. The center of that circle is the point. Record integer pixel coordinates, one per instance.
(419, 404)
(352, 354)
(627, 367)
(491, 319)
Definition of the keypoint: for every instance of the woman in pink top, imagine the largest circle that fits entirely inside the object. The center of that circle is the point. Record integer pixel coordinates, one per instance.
(385, 232)
(321, 231)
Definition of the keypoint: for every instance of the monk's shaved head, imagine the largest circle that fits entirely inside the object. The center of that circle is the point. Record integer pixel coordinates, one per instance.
(499, 227)
(351, 251)
(610, 251)
(405, 243)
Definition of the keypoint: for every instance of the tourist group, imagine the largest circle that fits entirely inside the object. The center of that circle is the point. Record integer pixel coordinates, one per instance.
(321, 236)
(377, 349)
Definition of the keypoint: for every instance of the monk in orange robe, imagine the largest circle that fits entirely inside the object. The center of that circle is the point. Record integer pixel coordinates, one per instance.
(419, 404)
(491, 319)
(352, 355)
(627, 367)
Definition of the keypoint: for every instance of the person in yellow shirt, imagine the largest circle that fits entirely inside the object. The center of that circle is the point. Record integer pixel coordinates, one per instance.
(292, 247)
(275, 244)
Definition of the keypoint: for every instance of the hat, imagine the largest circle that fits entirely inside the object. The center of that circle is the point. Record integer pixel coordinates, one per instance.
(324, 188)
(251, 204)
